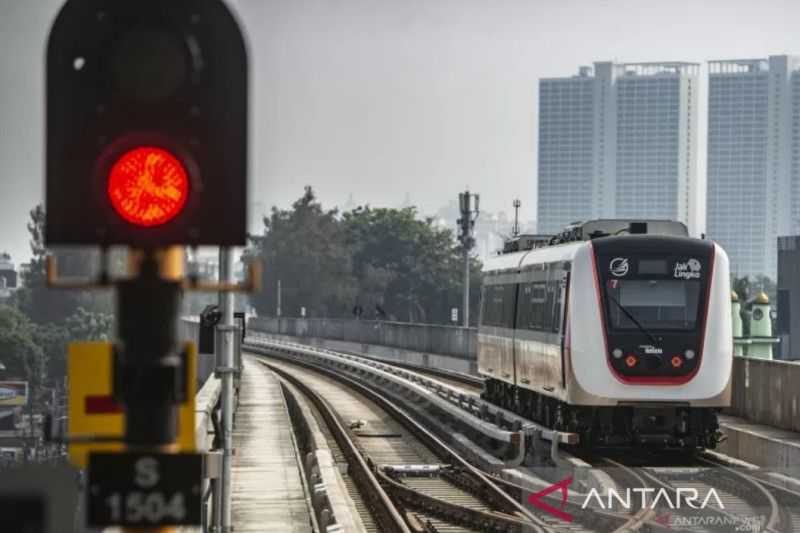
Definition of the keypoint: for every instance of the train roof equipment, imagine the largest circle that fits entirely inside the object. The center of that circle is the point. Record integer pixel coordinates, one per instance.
(592, 229)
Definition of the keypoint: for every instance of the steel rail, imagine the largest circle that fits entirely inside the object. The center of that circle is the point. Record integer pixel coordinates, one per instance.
(657, 478)
(781, 499)
(493, 421)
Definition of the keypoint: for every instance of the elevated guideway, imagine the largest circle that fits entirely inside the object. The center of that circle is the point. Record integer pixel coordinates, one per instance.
(762, 425)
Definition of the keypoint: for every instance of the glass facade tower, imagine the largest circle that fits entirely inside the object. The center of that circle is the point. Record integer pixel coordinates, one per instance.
(753, 168)
(618, 141)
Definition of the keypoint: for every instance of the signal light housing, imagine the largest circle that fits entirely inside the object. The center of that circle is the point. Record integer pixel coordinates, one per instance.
(123, 75)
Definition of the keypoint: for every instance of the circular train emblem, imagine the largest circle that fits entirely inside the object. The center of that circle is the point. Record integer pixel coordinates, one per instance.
(618, 266)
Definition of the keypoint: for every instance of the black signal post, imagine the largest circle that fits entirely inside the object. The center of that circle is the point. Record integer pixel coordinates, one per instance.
(146, 147)
(149, 365)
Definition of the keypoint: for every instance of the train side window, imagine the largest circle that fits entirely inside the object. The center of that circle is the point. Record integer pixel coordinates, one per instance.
(510, 300)
(523, 311)
(531, 308)
(484, 311)
(495, 304)
(539, 302)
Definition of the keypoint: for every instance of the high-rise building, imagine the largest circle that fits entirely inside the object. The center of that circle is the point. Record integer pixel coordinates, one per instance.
(618, 141)
(8, 276)
(753, 159)
(566, 150)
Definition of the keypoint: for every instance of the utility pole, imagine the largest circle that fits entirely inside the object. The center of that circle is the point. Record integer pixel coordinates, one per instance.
(515, 230)
(466, 225)
(225, 365)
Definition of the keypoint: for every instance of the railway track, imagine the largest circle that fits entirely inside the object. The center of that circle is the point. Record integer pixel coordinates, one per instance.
(468, 383)
(742, 499)
(407, 479)
(750, 503)
(438, 492)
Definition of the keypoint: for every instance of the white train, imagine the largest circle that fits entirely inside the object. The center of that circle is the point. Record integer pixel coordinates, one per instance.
(617, 330)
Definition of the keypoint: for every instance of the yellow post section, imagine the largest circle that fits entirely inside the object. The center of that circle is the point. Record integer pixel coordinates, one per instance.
(89, 375)
(89, 370)
(170, 260)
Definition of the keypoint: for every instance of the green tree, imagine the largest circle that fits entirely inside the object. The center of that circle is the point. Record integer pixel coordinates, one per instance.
(741, 286)
(304, 249)
(410, 267)
(89, 325)
(44, 305)
(53, 340)
(22, 357)
(388, 261)
(51, 318)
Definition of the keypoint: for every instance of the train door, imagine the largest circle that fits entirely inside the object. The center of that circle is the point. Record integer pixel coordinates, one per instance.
(564, 320)
(515, 310)
(496, 330)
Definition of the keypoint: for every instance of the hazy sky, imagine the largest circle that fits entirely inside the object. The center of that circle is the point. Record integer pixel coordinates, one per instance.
(382, 97)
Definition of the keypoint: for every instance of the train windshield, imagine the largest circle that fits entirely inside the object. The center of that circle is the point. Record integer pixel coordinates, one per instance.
(655, 304)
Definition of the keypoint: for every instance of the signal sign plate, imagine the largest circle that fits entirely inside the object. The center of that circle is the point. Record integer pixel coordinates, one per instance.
(144, 490)
(92, 410)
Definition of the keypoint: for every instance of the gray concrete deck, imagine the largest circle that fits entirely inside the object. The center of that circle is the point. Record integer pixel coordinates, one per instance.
(759, 444)
(268, 492)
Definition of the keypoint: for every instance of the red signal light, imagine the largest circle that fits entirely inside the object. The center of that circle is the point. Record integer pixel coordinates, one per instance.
(677, 362)
(631, 361)
(148, 186)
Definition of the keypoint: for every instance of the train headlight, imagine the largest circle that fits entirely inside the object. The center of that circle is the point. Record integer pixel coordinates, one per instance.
(689, 354)
(617, 353)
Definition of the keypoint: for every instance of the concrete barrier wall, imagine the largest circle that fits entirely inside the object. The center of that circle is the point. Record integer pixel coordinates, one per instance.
(767, 392)
(204, 403)
(445, 340)
(385, 353)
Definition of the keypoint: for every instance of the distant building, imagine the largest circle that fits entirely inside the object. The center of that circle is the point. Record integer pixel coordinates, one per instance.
(618, 141)
(8, 276)
(788, 304)
(22, 274)
(206, 267)
(753, 158)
